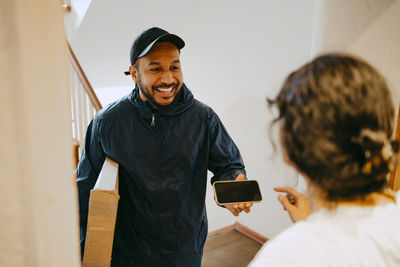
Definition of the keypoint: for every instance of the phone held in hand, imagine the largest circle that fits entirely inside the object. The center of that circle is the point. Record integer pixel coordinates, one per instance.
(233, 192)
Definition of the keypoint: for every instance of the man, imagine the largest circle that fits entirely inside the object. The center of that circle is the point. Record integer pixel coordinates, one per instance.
(164, 141)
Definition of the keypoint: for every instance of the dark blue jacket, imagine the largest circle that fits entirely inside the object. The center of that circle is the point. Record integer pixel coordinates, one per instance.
(163, 158)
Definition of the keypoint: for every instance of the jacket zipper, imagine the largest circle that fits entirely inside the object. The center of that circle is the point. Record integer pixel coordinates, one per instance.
(153, 117)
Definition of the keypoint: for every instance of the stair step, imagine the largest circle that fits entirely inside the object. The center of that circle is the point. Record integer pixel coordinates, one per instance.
(231, 248)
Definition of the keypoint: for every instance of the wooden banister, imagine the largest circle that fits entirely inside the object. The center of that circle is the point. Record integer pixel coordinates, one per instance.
(83, 79)
(395, 175)
(75, 152)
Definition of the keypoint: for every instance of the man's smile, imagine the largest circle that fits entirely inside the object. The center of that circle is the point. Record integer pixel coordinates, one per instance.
(165, 91)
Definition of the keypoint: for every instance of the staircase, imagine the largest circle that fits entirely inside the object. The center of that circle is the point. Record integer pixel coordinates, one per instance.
(233, 246)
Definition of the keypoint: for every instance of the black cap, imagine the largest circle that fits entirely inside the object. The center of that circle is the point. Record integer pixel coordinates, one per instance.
(145, 41)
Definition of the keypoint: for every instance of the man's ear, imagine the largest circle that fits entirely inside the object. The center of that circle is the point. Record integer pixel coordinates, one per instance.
(134, 73)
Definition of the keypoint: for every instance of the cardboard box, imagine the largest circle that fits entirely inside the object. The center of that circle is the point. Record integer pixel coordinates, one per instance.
(103, 206)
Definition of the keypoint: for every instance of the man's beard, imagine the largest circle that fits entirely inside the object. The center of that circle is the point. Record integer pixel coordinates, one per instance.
(146, 92)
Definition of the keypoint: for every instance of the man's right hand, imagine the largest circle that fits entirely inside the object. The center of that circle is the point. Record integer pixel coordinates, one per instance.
(296, 204)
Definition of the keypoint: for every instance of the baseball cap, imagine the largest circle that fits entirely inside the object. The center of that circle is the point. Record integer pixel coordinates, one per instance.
(145, 41)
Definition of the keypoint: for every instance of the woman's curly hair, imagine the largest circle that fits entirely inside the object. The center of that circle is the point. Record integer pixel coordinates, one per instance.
(326, 107)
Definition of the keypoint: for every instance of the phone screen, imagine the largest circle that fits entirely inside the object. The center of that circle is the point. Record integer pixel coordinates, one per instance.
(237, 191)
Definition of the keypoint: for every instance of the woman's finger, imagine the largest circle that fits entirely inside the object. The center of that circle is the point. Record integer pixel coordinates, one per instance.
(288, 190)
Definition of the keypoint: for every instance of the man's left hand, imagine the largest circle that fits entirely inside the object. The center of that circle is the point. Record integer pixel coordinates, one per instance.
(235, 209)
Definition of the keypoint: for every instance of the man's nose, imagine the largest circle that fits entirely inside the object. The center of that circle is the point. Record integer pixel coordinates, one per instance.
(167, 77)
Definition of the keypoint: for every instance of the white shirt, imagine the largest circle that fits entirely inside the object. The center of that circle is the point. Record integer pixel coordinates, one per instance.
(346, 236)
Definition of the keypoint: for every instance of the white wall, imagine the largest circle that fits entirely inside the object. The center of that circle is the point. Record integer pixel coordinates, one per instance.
(237, 53)
(75, 16)
(38, 215)
(369, 29)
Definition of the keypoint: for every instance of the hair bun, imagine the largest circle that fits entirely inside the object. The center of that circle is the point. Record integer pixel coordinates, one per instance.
(379, 152)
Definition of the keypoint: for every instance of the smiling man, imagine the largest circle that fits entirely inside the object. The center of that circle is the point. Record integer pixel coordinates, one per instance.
(164, 141)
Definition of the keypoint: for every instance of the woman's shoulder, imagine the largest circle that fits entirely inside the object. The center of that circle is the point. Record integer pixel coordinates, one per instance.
(346, 235)
(295, 246)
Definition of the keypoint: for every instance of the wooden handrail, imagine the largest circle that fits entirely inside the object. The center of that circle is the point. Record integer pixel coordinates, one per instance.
(75, 152)
(395, 175)
(83, 79)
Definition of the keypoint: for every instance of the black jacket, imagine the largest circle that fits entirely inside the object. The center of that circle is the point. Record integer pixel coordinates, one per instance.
(163, 158)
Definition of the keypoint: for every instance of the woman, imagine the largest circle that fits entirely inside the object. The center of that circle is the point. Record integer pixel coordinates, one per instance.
(336, 121)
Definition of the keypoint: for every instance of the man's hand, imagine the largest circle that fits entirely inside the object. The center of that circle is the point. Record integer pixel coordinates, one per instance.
(296, 204)
(238, 208)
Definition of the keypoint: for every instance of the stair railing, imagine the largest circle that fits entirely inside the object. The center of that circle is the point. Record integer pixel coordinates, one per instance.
(84, 103)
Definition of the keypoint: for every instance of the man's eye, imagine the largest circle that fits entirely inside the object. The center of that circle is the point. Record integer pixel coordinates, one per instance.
(155, 69)
(174, 68)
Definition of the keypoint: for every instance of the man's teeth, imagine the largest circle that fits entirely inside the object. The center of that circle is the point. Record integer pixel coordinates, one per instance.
(165, 90)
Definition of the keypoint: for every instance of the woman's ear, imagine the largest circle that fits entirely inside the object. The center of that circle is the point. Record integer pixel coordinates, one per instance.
(134, 73)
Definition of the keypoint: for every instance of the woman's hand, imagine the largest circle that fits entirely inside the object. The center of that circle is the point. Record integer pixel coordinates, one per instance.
(296, 204)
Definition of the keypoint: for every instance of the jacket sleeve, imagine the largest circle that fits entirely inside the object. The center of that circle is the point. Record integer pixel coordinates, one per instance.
(89, 167)
(224, 160)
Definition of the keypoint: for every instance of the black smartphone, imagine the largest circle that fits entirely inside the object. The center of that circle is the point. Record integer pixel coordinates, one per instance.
(233, 192)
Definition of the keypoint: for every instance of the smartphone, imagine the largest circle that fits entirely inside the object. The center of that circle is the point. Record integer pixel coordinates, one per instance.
(233, 192)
